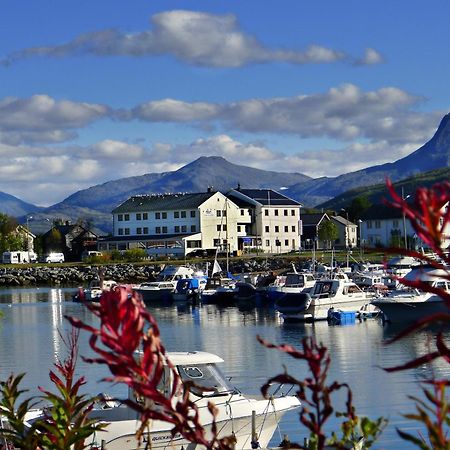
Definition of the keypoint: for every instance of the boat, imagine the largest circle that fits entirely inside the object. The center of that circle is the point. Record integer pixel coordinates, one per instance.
(290, 283)
(399, 267)
(162, 288)
(94, 291)
(245, 296)
(188, 290)
(338, 293)
(251, 420)
(219, 291)
(409, 305)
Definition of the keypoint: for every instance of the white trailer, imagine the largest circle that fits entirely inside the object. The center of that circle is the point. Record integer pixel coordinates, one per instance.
(19, 257)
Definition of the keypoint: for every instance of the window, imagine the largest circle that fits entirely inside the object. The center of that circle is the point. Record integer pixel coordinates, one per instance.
(369, 224)
(193, 229)
(267, 243)
(127, 231)
(242, 212)
(138, 216)
(138, 230)
(183, 228)
(164, 215)
(377, 224)
(216, 242)
(224, 227)
(193, 214)
(157, 216)
(218, 213)
(286, 229)
(144, 216)
(176, 229)
(285, 212)
(267, 228)
(158, 230)
(120, 231)
(126, 217)
(145, 230)
(219, 228)
(176, 214)
(276, 212)
(238, 228)
(293, 228)
(266, 212)
(164, 229)
(286, 242)
(183, 214)
(277, 229)
(120, 217)
(292, 212)
(224, 213)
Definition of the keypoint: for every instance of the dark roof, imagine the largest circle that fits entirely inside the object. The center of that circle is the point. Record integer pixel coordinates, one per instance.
(312, 218)
(163, 202)
(268, 197)
(240, 202)
(380, 212)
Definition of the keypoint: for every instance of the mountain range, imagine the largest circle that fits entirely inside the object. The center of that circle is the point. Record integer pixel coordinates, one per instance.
(96, 203)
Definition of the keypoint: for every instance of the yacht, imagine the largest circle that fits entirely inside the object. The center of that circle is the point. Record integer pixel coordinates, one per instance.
(289, 284)
(252, 421)
(409, 305)
(162, 288)
(338, 293)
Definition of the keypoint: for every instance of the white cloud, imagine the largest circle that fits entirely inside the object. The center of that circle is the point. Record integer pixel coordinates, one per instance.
(116, 150)
(345, 112)
(196, 38)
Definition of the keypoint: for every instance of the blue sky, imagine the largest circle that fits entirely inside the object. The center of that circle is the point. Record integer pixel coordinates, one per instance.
(97, 90)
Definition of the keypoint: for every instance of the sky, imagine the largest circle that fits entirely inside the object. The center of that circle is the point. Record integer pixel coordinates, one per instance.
(98, 90)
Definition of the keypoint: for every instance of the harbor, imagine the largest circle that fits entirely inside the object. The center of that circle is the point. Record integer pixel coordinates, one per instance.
(34, 317)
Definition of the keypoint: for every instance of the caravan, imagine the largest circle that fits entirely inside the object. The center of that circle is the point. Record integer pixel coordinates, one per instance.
(19, 257)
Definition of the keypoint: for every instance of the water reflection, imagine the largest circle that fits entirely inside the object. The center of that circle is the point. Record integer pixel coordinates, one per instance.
(33, 319)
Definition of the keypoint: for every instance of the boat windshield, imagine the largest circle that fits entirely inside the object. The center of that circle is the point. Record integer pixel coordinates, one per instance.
(295, 279)
(208, 377)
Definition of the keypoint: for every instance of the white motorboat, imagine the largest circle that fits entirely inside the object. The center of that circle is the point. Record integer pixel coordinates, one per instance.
(219, 291)
(244, 417)
(94, 291)
(399, 267)
(162, 288)
(409, 305)
(338, 293)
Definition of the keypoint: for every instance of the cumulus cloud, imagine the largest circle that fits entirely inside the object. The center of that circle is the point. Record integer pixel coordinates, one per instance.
(116, 150)
(345, 112)
(197, 38)
(42, 119)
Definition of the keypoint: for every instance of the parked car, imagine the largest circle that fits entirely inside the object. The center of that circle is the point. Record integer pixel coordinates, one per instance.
(54, 258)
(19, 257)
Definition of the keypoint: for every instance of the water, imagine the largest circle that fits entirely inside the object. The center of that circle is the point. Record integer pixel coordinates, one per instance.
(34, 318)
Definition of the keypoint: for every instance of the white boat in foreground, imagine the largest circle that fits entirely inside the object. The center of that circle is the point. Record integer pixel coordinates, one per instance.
(409, 305)
(238, 414)
(339, 293)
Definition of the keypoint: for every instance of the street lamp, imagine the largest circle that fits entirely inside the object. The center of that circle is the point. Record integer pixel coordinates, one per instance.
(404, 220)
(28, 236)
(360, 238)
(347, 237)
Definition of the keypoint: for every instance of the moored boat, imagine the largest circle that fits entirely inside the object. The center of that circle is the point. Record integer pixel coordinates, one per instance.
(252, 421)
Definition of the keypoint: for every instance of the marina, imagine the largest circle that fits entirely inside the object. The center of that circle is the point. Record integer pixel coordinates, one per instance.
(30, 341)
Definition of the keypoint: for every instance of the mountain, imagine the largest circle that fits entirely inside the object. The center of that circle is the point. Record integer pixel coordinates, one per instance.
(96, 203)
(13, 206)
(376, 193)
(434, 154)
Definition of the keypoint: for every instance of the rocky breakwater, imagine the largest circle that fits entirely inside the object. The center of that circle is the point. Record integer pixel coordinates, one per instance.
(65, 275)
(75, 275)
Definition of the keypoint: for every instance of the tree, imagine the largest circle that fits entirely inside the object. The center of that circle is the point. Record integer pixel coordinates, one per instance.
(10, 239)
(328, 232)
(357, 208)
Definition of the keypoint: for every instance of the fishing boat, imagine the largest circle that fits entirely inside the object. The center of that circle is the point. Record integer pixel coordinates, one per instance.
(289, 284)
(338, 293)
(252, 421)
(162, 288)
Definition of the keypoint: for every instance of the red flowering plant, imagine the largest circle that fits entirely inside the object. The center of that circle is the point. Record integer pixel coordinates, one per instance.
(64, 424)
(316, 396)
(429, 216)
(128, 341)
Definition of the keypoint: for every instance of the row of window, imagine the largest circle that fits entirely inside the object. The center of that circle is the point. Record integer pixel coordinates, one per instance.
(276, 212)
(277, 229)
(377, 223)
(158, 230)
(158, 215)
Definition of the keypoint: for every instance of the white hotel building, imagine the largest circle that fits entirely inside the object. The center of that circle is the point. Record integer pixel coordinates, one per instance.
(177, 224)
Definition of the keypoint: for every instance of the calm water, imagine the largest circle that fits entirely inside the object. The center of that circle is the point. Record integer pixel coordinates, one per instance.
(33, 318)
